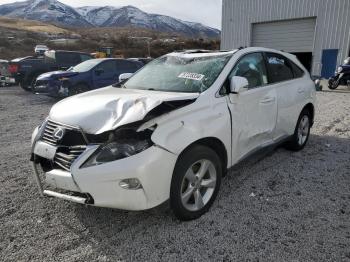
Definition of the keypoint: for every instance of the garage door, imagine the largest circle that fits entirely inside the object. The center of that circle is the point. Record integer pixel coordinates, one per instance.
(289, 35)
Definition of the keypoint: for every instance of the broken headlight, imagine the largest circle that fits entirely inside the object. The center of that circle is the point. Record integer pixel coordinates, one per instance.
(118, 149)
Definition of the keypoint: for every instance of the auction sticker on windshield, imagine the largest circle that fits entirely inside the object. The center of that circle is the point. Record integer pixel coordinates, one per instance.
(192, 76)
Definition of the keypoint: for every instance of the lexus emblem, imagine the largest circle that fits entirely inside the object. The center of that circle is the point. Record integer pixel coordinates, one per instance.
(58, 133)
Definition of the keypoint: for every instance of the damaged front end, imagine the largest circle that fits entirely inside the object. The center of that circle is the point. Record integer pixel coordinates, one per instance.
(128, 140)
(123, 142)
(73, 153)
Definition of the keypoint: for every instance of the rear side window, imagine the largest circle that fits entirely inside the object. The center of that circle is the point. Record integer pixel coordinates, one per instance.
(279, 68)
(107, 67)
(84, 57)
(126, 66)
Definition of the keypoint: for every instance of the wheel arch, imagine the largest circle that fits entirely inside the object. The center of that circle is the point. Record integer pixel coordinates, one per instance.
(216, 145)
(33, 75)
(311, 108)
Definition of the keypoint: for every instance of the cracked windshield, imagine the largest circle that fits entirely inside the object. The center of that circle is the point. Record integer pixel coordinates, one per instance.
(179, 74)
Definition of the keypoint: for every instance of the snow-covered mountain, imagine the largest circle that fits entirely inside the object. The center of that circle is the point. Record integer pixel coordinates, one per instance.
(52, 11)
(131, 16)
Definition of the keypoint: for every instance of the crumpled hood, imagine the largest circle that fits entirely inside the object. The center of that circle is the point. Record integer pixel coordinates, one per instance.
(56, 74)
(106, 109)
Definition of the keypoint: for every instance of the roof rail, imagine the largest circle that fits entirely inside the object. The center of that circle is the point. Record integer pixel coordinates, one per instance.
(196, 51)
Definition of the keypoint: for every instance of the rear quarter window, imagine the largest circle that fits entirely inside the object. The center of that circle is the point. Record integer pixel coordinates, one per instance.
(298, 72)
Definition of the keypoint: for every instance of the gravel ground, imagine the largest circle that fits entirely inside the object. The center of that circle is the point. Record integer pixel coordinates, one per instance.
(299, 209)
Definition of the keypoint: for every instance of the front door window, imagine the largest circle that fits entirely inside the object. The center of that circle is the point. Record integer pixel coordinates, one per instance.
(252, 67)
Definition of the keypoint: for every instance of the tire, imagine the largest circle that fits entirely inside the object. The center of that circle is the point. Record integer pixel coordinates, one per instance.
(333, 84)
(77, 89)
(25, 86)
(301, 133)
(32, 83)
(193, 192)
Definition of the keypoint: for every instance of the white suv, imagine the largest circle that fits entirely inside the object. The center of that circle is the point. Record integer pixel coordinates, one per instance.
(173, 129)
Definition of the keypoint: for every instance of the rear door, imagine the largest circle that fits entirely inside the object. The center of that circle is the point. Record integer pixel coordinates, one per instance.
(105, 74)
(253, 111)
(287, 79)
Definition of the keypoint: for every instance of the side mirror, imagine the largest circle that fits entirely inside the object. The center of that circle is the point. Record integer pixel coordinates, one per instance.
(125, 76)
(99, 71)
(238, 84)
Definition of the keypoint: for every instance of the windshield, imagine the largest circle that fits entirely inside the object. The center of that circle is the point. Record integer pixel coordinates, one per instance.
(85, 66)
(179, 73)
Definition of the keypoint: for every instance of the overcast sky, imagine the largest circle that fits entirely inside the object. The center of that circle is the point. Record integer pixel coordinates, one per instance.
(207, 12)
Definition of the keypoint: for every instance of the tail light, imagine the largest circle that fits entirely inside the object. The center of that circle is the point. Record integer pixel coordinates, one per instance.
(13, 68)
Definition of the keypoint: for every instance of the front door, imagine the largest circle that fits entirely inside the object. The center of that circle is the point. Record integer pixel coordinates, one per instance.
(105, 74)
(254, 111)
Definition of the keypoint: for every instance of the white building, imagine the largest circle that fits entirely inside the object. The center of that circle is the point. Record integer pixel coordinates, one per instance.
(317, 31)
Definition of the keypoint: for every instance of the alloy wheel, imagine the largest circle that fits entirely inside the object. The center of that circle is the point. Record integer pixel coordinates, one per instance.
(303, 130)
(198, 185)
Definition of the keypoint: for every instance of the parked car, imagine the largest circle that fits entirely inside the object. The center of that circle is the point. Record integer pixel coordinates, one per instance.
(173, 129)
(3, 72)
(89, 75)
(41, 49)
(26, 70)
(5, 78)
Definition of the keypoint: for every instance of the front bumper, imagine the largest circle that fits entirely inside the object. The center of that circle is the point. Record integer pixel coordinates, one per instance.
(50, 88)
(100, 184)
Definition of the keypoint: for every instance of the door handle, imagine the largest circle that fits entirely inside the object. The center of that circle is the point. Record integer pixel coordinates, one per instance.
(301, 90)
(267, 100)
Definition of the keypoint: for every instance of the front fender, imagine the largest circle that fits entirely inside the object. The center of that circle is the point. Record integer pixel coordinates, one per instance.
(188, 125)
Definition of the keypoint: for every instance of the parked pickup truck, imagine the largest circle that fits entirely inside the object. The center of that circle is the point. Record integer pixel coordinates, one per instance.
(26, 70)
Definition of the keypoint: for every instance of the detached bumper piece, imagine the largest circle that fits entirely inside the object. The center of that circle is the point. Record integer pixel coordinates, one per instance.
(76, 199)
(63, 180)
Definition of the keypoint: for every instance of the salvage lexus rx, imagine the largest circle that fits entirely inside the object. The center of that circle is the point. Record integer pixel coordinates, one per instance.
(172, 130)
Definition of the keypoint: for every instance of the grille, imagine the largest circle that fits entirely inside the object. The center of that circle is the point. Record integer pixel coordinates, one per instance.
(48, 135)
(65, 159)
(71, 136)
(69, 147)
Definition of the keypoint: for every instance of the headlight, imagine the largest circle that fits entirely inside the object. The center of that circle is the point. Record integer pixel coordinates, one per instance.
(39, 130)
(340, 69)
(117, 150)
